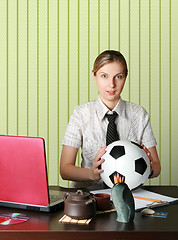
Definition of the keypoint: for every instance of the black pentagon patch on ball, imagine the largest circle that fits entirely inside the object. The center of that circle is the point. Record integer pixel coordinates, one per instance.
(137, 144)
(140, 166)
(115, 174)
(117, 151)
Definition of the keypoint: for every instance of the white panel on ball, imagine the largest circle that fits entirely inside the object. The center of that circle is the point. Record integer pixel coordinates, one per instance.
(127, 159)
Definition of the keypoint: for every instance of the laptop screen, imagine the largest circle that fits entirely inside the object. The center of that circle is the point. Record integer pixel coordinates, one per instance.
(23, 176)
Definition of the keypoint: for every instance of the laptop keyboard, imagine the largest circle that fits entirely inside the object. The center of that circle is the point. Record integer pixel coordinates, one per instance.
(55, 196)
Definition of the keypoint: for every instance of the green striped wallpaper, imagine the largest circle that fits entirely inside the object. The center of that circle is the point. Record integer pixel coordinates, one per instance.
(47, 49)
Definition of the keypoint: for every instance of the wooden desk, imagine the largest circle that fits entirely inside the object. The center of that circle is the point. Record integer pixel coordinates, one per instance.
(46, 225)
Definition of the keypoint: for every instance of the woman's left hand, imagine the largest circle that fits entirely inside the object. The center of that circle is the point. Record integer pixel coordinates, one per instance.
(149, 155)
(155, 166)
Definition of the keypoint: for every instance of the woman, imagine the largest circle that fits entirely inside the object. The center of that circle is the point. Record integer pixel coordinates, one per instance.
(88, 124)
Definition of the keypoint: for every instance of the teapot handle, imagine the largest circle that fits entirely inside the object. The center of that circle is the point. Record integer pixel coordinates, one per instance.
(66, 195)
(79, 192)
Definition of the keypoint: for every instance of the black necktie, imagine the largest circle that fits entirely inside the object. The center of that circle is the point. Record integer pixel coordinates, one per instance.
(111, 135)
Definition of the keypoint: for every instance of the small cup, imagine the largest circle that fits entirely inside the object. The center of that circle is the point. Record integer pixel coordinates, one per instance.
(102, 201)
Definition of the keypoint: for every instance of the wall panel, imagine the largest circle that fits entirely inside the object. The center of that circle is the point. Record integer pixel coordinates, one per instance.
(173, 51)
(33, 64)
(47, 50)
(12, 87)
(63, 73)
(3, 66)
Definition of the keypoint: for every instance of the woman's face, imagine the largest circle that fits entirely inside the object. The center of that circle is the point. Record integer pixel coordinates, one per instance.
(110, 80)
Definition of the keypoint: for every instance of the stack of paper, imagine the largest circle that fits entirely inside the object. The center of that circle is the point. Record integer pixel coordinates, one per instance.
(144, 198)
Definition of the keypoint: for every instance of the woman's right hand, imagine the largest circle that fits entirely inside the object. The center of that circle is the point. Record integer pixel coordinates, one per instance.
(95, 171)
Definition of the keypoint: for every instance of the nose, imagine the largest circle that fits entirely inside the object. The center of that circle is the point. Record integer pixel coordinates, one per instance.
(111, 82)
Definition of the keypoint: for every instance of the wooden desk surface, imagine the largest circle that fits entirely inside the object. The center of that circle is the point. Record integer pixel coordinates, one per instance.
(46, 225)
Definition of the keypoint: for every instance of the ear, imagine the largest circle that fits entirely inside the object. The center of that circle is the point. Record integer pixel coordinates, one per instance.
(94, 76)
(126, 74)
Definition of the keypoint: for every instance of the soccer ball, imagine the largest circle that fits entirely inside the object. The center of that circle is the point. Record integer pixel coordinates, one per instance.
(127, 159)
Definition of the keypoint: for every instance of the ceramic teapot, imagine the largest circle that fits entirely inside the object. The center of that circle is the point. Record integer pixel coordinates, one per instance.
(79, 205)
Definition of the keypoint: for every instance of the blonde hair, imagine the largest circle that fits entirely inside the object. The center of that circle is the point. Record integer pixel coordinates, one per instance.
(109, 56)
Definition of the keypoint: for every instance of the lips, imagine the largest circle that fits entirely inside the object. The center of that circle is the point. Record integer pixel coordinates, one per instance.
(111, 92)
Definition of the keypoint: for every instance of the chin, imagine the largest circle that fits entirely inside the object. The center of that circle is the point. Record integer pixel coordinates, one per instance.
(114, 98)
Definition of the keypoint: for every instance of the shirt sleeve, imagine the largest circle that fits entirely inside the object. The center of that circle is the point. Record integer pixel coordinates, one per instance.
(140, 129)
(73, 134)
(148, 138)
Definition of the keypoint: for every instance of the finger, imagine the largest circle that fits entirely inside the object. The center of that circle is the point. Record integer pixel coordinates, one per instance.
(100, 162)
(102, 150)
(146, 150)
(96, 164)
(98, 171)
(100, 153)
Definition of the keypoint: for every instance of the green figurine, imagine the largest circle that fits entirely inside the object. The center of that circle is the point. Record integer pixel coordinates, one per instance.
(123, 201)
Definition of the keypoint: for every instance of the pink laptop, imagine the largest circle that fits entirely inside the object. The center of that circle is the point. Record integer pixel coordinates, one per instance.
(23, 174)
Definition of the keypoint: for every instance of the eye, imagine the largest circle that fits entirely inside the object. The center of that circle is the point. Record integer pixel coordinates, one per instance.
(104, 75)
(119, 77)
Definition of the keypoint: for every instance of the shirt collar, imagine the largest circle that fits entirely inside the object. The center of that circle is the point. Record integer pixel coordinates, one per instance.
(101, 109)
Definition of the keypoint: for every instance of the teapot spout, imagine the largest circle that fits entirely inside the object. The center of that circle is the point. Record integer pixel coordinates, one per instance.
(124, 202)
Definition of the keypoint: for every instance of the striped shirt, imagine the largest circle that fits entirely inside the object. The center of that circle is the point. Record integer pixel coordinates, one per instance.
(88, 126)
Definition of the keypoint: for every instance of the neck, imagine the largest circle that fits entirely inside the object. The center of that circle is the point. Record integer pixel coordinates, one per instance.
(110, 104)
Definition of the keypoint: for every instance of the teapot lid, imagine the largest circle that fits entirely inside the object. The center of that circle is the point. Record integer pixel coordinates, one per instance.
(79, 195)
